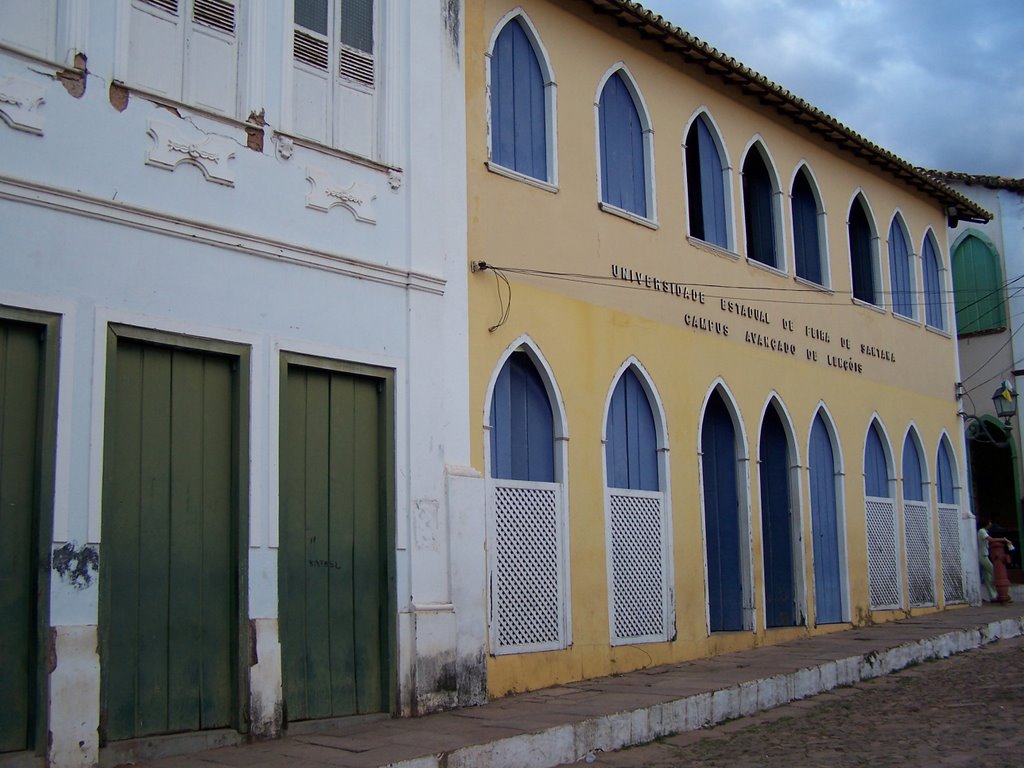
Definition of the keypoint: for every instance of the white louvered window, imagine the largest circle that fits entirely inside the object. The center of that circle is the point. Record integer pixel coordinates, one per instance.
(952, 561)
(917, 534)
(187, 51)
(883, 557)
(29, 26)
(335, 73)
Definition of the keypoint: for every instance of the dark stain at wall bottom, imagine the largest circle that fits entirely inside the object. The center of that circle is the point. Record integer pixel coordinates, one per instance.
(76, 566)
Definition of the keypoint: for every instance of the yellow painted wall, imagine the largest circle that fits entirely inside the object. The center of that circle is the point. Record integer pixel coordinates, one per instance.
(587, 328)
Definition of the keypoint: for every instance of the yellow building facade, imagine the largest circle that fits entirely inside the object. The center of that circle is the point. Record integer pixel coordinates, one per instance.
(737, 312)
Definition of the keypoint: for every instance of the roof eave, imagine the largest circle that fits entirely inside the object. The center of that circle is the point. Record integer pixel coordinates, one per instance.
(695, 52)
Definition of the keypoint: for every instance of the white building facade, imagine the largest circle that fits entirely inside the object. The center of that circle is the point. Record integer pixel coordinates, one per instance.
(234, 368)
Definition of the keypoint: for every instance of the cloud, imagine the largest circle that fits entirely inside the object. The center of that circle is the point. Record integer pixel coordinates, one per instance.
(936, 84)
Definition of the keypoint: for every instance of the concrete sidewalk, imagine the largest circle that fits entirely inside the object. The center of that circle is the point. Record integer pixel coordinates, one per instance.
(566, 723)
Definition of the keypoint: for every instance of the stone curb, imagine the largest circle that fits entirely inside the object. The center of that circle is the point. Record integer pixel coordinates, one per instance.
(573, 742)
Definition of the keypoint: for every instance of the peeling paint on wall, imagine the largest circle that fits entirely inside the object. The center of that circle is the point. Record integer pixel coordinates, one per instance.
(76, 566)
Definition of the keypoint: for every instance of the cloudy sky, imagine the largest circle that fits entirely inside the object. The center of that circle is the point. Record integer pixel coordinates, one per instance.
(938, 82)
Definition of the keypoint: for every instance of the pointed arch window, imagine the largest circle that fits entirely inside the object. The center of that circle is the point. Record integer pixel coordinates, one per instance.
(725, 526)
(631, 449)
(522, 431)
(882, 526)
(862, 254)
(527, 556)
(934, 296)
(978, 287)
(705, 185)
(950, 546)
(917, 524)
(624, 163)
(901, 273)
(807, 245)
(829, 563)
(637, 519)
(519, 108)
(779, 534)
(759, 210)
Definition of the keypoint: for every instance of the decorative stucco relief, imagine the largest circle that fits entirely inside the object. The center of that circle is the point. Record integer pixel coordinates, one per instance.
(173, 146)
(325, 193)
(20, 101)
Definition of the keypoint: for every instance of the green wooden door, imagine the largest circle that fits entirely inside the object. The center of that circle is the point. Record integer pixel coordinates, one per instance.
(335, 606)
(169, 554)
(21, 358)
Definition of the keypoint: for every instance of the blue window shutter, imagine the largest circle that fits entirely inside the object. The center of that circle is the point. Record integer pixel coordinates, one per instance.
(694, 192)
(712, 187)
(913, 479)
(805, 230)
(934, 313)
(758, 214)
(501, 425)
(522, 425)
(945, 474)
(518, 111)
(721, 516)
(776, 523)
(862, 266)
(899, 272)
(623, 167)
(631, 449)
(616, 451)
(828, 595)
(876, 470)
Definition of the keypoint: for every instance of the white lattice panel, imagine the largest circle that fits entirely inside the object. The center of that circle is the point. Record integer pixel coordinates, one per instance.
(527, 585)
(883, 568)
(918, 541)
(638, 573)
(949, 546)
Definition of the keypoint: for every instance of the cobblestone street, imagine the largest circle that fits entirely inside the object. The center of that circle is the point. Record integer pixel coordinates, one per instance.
(962, 711)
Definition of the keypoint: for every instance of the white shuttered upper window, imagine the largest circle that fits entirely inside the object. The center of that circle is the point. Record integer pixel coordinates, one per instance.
(30, 26)
(335, 73)
(186, 50)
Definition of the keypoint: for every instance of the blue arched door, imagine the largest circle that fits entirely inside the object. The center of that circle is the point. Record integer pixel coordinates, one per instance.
(777, 524)
(828, 592)
(722, 517)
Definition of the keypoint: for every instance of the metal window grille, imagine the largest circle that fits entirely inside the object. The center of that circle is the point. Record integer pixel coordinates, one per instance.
(638, 573)
(920, 582)
(883, 570)
(949, 546)
(527, 576)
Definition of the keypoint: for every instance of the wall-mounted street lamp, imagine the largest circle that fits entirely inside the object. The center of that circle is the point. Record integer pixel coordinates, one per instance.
(1004, 402)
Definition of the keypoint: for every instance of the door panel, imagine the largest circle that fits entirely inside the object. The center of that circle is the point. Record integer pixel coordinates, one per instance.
(334, 594)
(169, 607)
(776, 524)
(825, 528)
(21, 358)
(721, 517)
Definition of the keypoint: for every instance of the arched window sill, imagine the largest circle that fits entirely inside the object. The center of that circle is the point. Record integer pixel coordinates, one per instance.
(868, 305)
(704, 245)
(767, 268)
(814, 285)
(508, 173)
(628, 215)
(909, 320)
